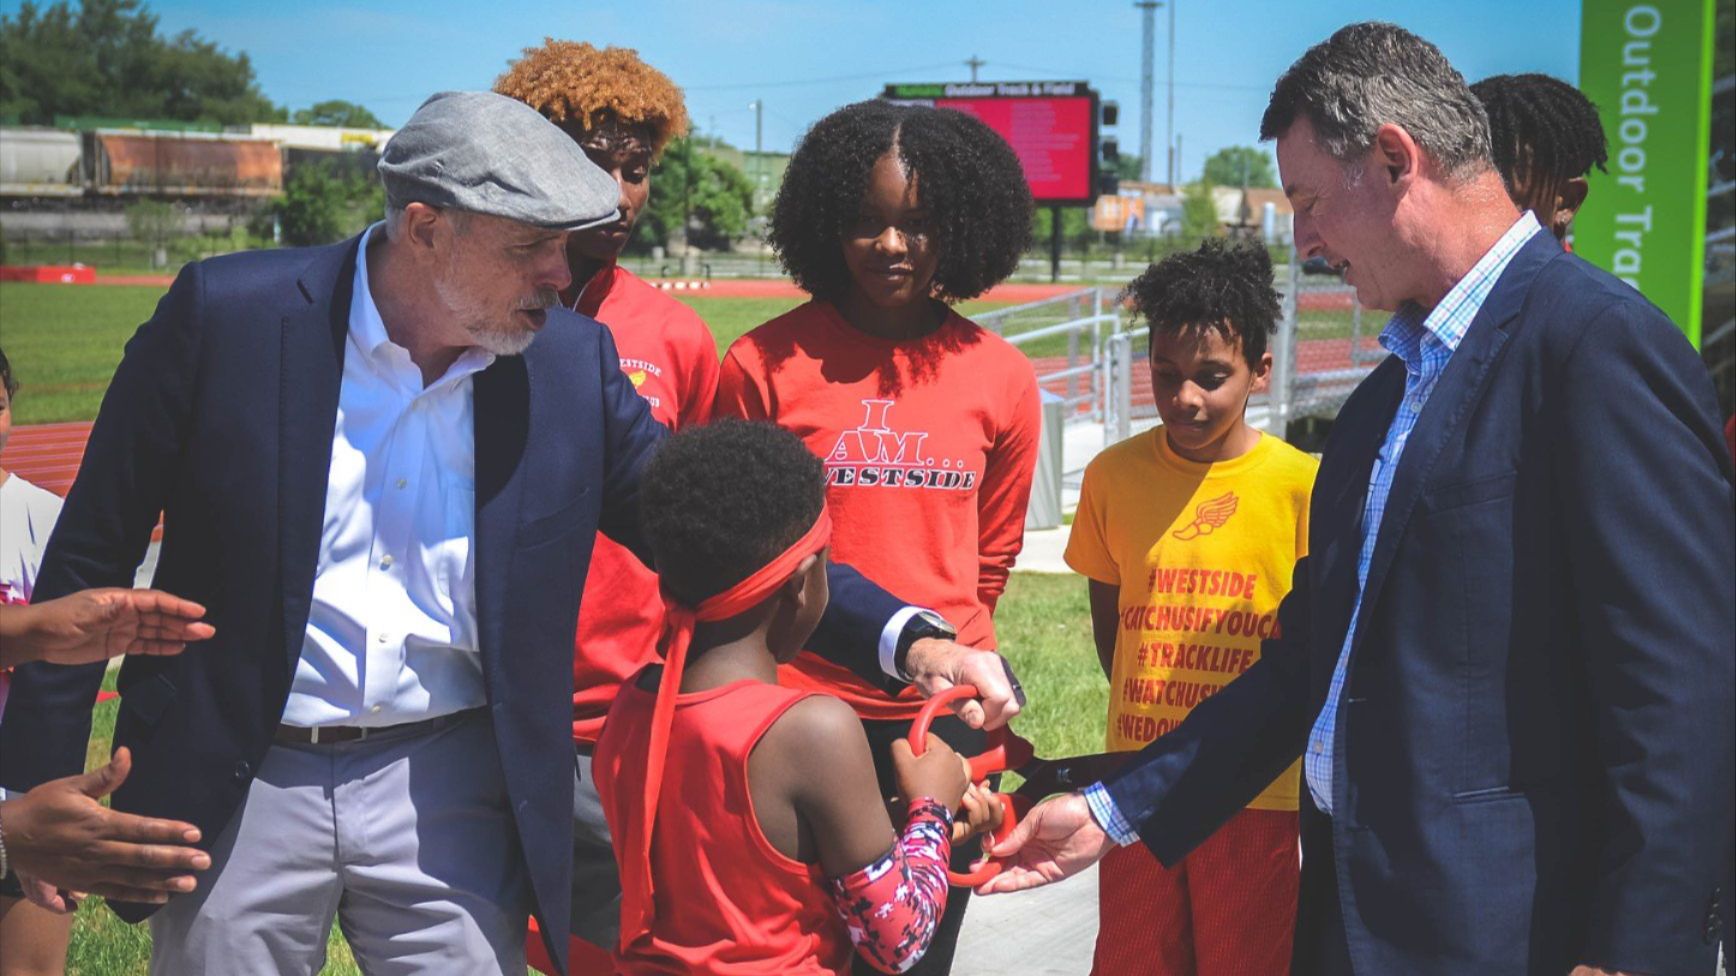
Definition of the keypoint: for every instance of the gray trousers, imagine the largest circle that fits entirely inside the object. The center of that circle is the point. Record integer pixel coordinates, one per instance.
(596, 878)
(408, 840)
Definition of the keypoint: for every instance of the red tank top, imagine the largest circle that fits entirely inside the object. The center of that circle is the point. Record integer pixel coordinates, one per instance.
(727, 901)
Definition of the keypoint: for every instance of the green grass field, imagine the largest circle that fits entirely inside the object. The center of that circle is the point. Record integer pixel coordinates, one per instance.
(1045, 630)
(65, 341)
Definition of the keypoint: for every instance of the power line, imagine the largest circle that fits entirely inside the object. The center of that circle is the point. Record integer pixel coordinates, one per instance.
(821, 81)
(1096, 76)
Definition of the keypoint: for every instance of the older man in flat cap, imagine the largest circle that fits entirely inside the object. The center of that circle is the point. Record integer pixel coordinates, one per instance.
(386, 496)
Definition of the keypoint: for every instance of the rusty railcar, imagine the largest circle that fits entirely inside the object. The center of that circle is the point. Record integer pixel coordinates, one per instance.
(180, 164)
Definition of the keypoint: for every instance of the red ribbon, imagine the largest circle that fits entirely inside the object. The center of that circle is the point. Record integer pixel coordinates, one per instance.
(637, 901)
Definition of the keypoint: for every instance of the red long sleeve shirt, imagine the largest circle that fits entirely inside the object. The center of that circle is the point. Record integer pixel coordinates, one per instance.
(929, 446)
(670, 356)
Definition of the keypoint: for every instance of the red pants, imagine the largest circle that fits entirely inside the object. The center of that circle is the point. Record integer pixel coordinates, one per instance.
(1227, 909)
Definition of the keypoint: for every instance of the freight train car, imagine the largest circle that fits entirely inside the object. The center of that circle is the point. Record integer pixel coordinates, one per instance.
(40, 162)
(180, 164)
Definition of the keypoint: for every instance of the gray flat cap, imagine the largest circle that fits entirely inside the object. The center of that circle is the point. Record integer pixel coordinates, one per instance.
(489, 154)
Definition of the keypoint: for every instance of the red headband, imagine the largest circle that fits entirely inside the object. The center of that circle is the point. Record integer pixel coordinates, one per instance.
(636, 888)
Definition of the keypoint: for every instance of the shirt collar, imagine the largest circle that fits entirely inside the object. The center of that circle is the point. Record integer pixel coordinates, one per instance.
(1411, 327)
(368, 332)
(596, 291)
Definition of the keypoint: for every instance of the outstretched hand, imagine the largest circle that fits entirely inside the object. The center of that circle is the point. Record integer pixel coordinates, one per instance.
(1056, 840)
(63, 843)
(94, 625)
(935, 665)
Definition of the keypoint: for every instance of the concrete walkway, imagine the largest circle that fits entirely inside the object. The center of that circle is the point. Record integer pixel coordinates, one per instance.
(1046, 932)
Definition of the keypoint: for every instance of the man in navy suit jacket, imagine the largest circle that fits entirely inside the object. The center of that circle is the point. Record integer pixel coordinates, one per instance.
(1507, 660)
(388, 511)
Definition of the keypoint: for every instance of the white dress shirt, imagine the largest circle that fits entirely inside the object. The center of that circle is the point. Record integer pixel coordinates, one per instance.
(392, 634)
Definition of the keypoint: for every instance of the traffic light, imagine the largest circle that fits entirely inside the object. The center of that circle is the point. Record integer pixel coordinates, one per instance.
(1108, 184)
(1111, 150)
(1111, 114)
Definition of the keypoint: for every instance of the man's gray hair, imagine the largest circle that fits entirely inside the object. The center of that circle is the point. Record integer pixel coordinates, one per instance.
(1370, 74)
(395, 217)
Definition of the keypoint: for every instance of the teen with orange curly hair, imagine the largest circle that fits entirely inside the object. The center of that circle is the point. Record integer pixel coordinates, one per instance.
(622, 112)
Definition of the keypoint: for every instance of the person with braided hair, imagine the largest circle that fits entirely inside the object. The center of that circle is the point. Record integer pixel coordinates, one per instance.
(1545, 137)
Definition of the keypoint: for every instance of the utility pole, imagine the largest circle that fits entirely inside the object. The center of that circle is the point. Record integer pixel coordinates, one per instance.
(1148, 53)
(759, 178)
(974, 63)
(1169, 125)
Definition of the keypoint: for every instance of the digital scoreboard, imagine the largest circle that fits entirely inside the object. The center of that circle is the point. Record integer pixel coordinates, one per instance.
(1051, 125)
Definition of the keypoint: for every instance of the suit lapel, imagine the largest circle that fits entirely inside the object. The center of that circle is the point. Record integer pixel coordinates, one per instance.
(312, 372)
(502, 400)
(1340, 497)
(1458, 390)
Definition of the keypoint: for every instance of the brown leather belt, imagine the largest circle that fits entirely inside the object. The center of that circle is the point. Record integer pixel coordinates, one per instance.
(299, 735)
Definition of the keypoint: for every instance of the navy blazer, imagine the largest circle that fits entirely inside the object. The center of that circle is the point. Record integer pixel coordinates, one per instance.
(220, 417)
(1534, 752)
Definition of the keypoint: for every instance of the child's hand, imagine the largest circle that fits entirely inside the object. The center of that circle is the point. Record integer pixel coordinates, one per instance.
(982, 813)
(939, 773)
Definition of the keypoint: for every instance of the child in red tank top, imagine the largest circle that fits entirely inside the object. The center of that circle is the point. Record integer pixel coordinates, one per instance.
(927, 424)
(748, 831)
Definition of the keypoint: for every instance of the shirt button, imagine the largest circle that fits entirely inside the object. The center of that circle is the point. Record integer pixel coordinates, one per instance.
(403, 483)
(386, 562)
(375, 709)
(1319, 747)
(381, 638)
(243, 771)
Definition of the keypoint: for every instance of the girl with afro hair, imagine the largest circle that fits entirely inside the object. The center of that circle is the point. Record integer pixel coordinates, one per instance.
(926, 423)
(622, 112)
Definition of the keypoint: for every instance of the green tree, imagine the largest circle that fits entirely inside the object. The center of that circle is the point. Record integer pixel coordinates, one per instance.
(323, 203)
(1126, 167)
(153, 221)
(714, 197)
(1199, 212)
(1226, 167)
(337, 112)
(1075, 225)
(106, 58)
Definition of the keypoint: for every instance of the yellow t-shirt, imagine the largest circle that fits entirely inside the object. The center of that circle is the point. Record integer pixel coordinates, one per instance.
(1202, 555)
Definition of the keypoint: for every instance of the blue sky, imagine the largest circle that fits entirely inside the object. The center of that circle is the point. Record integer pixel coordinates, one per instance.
(805, 57)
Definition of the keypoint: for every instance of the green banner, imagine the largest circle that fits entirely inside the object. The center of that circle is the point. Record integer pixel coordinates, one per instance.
(1648, 68)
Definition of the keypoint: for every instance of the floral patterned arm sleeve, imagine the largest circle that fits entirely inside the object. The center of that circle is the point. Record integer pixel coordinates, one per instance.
(891, 907)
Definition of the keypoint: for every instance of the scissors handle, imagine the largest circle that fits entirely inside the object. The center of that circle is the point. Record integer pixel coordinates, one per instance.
(988, 867)
(1005, 751)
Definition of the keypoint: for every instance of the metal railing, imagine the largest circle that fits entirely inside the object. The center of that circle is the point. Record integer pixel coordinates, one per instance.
(1064, 336)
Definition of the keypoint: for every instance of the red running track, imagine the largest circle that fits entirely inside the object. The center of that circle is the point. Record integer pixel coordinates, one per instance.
(49, 455)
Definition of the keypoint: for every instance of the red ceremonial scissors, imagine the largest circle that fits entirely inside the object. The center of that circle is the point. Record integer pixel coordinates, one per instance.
(1008, 752)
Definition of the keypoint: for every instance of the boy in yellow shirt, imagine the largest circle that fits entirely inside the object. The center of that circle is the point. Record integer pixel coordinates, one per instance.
(1187, 535)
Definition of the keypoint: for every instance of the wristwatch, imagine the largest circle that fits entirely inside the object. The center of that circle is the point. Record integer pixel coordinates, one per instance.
(923, 624)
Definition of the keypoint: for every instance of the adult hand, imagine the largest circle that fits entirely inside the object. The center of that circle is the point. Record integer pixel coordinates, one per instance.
(59, 837)
(1595, 971)
(935, 665)
(94, 625)
(1056, 840)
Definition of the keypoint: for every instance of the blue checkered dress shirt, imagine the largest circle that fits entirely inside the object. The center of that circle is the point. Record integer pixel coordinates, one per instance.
(1425, 342)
